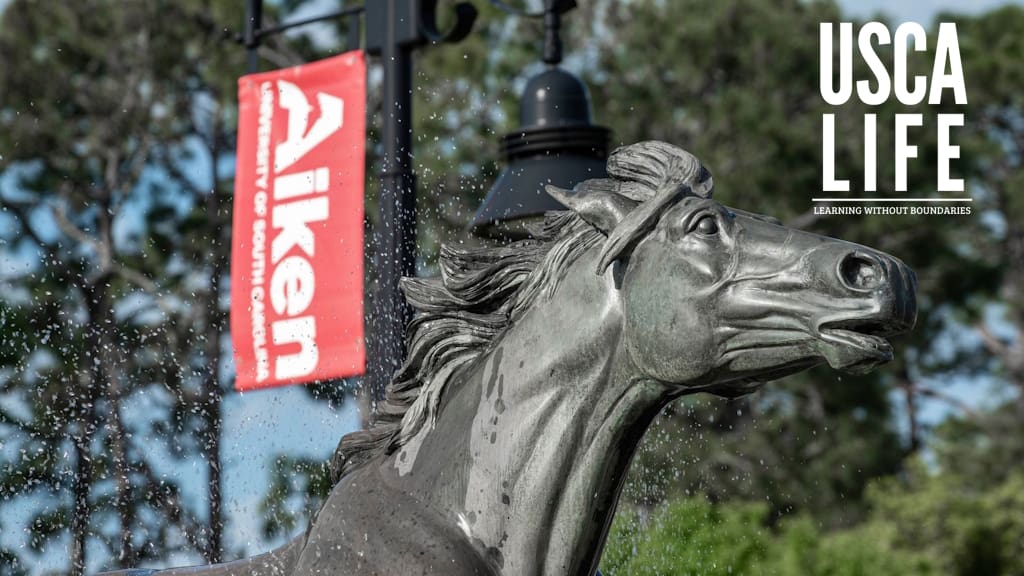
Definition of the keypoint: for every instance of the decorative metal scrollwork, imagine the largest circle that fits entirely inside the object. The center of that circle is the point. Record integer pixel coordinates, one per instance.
(465, 16)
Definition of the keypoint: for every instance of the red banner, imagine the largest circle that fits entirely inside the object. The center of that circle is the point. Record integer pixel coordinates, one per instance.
(297, 249)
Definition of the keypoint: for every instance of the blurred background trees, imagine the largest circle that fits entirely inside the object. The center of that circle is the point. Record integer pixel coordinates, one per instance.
(115, 254)
(116, 149)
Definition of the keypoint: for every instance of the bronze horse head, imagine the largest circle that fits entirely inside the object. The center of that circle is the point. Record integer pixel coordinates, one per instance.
(534, 369)
(755, 300)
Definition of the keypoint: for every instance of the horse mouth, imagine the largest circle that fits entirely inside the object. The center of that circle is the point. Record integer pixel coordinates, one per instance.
(856, 345)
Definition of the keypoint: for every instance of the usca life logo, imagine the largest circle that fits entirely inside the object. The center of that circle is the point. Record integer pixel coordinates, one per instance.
(946, 80)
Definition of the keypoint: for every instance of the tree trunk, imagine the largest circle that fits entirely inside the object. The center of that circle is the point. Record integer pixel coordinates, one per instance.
(81, 511)
(211, 448)
(119, 453)
(910, 405)
(104, 348)
(211, 396)
(82, 441)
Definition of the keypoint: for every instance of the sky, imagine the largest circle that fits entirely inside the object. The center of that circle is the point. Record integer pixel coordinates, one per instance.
(261, 423)
(922, 11)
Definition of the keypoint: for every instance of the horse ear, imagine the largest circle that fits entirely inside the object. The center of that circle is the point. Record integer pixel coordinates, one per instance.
(603, 210)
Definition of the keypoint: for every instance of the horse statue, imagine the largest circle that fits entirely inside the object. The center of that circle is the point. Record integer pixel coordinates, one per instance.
(535, 368)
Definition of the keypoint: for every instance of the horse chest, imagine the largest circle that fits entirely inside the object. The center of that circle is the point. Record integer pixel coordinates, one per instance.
(367, 528)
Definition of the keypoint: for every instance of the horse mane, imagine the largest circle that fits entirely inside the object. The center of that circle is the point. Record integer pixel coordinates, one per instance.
(482, 291)
(459, 314)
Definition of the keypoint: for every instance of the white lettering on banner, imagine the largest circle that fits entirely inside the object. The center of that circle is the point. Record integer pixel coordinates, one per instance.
(296, 330)
(299, 199)
(291, 288)
(298, 142)
(292, 220)
(301, 183)
(266, 119)
(257, 294)
(258, 309)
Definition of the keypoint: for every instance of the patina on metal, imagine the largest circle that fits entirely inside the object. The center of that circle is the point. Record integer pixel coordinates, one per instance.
(535, 369)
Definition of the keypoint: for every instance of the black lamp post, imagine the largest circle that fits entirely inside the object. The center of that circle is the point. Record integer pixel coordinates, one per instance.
(556, 143)
(393, 29)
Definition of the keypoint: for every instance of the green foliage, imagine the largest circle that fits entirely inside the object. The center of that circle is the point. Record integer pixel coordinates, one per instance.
(984, 447)
(688, 538)
(692, 537)
(115, 294)
(866, 550)
(810, 446)
(298, 487)
(921, 523)
(966, 528)
(1006, 506)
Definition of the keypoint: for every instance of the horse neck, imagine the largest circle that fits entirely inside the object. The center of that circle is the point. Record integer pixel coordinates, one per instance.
(530, 448)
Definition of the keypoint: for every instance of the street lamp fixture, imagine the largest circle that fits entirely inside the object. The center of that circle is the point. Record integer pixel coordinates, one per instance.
(556, 143)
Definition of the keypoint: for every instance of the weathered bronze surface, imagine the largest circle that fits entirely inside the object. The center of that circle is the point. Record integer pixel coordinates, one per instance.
(534, 370)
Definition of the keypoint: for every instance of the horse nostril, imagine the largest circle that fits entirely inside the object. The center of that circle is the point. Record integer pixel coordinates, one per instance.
(860, 272)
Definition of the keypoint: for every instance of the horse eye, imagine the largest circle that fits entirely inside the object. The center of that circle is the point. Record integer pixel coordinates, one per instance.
(707, 225)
